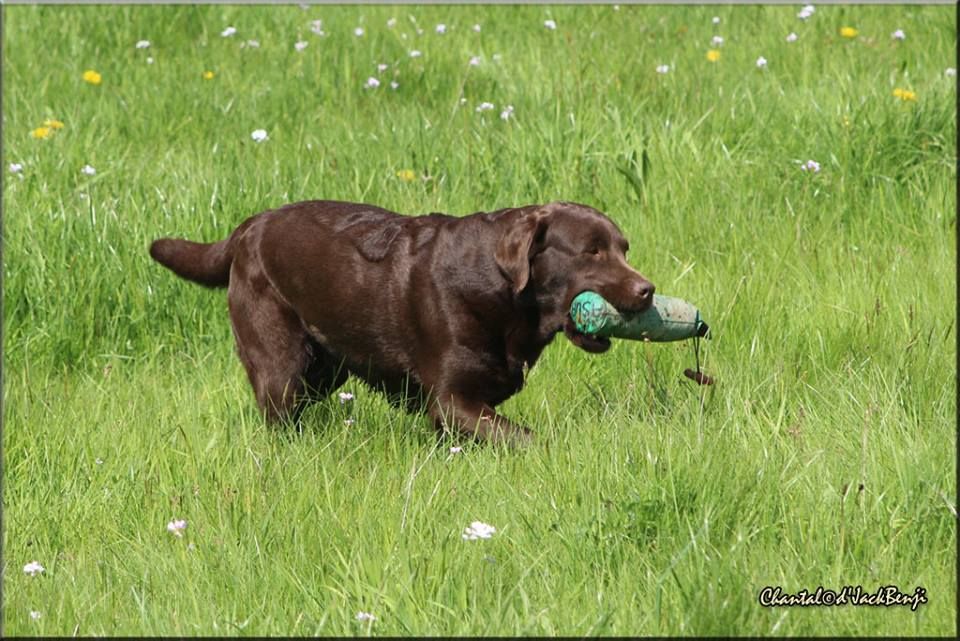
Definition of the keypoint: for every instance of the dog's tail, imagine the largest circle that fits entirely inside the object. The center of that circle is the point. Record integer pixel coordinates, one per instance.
(204, 263)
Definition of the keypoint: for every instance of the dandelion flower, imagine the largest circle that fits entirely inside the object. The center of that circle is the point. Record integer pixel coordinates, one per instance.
(485, 106)
(53, 123)
(16, 168)
(208, 75)
(358, 31)
(229, 31)
(42, 133)
(33, 568)
(713, 55)
(441, 28)
(810, 165)
(372, 83)
(365, 616)
(415, 54)
(848, 32)
(791, 37)
(300, 45)
(905, 94)
(259, 135)
(176, 527)
(507, 113)
(88, 170)
(406, 175)
(478, 530)
(550, 24)
(716, 41)
(898, 35)
(143, 44)
(347, 396)
(663, 69)
(761, 62)
(92, 77)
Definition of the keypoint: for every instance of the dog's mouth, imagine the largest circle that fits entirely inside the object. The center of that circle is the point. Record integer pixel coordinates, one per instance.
(586, 342)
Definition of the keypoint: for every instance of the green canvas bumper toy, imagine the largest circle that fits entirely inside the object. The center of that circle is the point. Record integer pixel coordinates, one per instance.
(667, 319)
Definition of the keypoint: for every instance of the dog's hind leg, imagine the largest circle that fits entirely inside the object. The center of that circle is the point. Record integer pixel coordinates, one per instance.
(286, 367)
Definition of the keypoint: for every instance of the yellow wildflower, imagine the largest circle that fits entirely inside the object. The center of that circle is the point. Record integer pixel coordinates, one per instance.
(92, 77)
(53, 123)
(42, 132)
(406, 175)
(208, 75)
(713, 55)
(848, 32)
(904, 94)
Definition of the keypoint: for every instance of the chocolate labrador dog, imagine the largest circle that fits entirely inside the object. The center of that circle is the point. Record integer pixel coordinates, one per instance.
(441, 312)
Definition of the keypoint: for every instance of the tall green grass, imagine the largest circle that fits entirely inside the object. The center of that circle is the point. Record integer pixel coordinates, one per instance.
(823, 456)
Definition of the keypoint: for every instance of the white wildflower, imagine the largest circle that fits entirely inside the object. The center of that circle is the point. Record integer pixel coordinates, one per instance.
(663, 68)
(474, 61)
(394, 84)
(415, 54)
(259, 135)
(441, 28)
(16, 167)
(143, 44)
(550, 24)
(347, 396)
(810, 165)
(358, 31)
(485, 106)
(33, 568)
(506, 113)
(365, 616)
(176, 527)
(791, 37)
(478, 530)
(716, 41)
(391, 23)
(229, 31)
(476, 28)
(761, 62)
(88, 170)
(300, 45)
(898, 35)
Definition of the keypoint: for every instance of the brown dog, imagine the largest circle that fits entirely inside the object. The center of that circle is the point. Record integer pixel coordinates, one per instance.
(438, 311)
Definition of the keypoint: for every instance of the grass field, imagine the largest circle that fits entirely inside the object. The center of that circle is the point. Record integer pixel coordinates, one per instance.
(824, 455)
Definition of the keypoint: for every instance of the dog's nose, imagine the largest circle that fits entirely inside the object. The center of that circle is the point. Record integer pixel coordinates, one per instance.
(643, 292)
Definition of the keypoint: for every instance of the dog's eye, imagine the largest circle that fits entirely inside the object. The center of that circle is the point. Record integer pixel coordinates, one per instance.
(593, 251)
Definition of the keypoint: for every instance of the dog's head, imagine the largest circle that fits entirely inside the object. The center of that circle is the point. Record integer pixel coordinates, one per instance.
(554, 252)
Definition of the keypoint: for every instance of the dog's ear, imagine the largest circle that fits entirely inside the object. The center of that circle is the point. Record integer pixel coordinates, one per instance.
(519, 244)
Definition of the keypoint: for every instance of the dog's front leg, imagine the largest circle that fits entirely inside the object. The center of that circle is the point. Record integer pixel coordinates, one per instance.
(452, 413)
